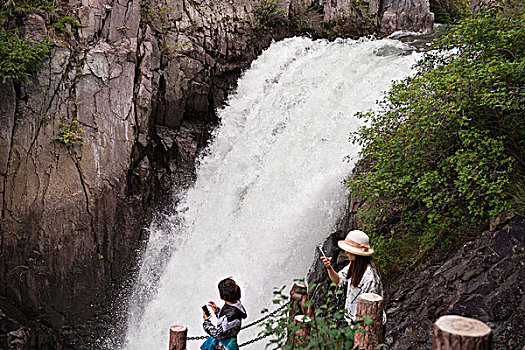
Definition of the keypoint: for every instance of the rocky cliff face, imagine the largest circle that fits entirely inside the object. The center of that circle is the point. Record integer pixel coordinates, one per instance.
(483, 280)
(138, 83)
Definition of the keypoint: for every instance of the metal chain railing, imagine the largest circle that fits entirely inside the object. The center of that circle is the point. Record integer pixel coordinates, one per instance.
(265, 317)
(248, 326)
(254, 340)
(197, 338)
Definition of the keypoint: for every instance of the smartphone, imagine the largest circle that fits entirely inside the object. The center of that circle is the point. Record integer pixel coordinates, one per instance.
(206, 311)
(321, 250)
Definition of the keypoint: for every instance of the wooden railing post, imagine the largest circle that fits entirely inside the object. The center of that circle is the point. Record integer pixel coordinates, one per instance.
(457, 332)
(299, 312)
(178, 336)
(298, 297)
(304, 331)
(371, 305)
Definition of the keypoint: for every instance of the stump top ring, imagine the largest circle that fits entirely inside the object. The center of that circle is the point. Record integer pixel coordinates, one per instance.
(463, 326)
(178, 328)
(302, 318)
(370, 297)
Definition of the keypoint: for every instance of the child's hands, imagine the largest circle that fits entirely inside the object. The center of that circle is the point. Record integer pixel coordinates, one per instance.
(213, 306)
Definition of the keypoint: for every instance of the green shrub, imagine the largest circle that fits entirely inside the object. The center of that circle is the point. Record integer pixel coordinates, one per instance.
(449, 11)
(70, 134)
(328, 327)
(268, 16)
(60, 25)
(440, 14)
(19, 58)
(446, 143)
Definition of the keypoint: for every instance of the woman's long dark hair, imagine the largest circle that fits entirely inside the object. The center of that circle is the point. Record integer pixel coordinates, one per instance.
(357, 269)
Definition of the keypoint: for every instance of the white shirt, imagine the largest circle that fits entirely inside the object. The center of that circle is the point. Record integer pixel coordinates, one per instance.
(370, 283)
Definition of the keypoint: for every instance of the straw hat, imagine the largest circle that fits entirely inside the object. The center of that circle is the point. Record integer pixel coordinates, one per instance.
(356, 242)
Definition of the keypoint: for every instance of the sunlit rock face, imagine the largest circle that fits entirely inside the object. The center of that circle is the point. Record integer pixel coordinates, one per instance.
(141, 80)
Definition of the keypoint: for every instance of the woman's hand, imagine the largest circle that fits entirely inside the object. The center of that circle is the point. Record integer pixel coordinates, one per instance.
(213, 306)
(204, 317)
(327, 262)
(334, 276)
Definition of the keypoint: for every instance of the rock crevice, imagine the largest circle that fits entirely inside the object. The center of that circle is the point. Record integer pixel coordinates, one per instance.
(143, 80)
(483, 280)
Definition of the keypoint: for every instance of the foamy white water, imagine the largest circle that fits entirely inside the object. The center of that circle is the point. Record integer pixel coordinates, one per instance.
(268, 187)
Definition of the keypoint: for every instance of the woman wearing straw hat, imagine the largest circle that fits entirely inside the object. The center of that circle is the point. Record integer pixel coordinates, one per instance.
(360, 274)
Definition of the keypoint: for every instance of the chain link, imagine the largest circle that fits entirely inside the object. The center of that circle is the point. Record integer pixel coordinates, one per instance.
(249, 325)
(197, 338)
(267, 316)
(254, 340)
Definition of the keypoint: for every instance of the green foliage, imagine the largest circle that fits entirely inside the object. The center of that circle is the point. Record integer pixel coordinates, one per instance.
(449, 11)
(70, 134)
(60, 25)
(518, 195)
(443, 148)
(13, 11)
(440, 14)
(268, 16)
(19, 58)
(328, 328)
(162, 18)
(34, 6)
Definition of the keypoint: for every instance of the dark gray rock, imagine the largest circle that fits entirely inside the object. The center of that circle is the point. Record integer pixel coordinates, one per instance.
(485, 280)
(317, 274)
(34, 28)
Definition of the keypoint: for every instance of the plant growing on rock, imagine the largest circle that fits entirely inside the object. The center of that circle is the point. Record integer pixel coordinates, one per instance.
(268, 16)
(449, 11)
(447, 143)
(60, 25)
(328, 328)
(70, 134)
(19, 58)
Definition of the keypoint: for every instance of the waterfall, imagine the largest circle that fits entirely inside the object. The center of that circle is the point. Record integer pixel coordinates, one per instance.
(269, 184)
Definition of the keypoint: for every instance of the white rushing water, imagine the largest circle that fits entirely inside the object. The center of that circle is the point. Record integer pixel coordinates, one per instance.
(268, 187)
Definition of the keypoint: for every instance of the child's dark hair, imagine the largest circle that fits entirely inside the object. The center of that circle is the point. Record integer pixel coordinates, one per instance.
(229, 290)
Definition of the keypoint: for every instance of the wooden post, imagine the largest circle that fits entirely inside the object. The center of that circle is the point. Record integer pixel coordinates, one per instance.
(371, 305)
(298, 297)
(178, 336)
(302, 320)
(456, 332)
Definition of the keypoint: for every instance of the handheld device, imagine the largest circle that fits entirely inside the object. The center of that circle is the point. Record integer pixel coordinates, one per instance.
(321, 250)
(206, 311)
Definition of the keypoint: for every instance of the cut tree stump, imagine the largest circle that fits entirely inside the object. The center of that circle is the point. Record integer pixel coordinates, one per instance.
(178, 336)
(453, 332)
(298, 298)
(300, 335)
(371, 305)
(298, 310)
(302, 320)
